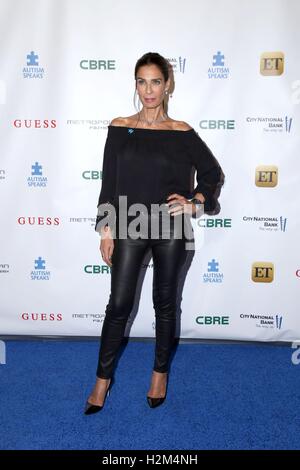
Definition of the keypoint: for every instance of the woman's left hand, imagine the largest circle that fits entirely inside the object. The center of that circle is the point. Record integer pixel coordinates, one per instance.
(181, 205)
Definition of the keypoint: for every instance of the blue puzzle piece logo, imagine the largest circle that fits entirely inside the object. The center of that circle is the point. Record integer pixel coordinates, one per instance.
(32, 59)
(36, 169)
(213, 266)
(218, 60)
(39, 263)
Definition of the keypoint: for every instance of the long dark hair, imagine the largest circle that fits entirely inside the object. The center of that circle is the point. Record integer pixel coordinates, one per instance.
(153, 58)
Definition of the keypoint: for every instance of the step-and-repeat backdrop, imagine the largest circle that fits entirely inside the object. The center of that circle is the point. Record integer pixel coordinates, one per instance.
(66, 70)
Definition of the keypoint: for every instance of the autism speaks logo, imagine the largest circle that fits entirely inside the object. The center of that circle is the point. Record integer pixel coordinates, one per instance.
(37, 179)
(33, 69)
(39, 273)
(218, 69)
(213, 273)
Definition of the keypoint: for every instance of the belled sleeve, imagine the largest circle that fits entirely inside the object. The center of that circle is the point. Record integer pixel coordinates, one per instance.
(210, 176)
(106, 210)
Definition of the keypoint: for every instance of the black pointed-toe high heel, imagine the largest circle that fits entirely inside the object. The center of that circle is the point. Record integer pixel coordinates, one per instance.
(155, 402)
(92, 409)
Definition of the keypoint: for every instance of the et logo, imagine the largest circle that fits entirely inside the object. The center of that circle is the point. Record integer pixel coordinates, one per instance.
(271, 63)
(262, 272)
(266, 176)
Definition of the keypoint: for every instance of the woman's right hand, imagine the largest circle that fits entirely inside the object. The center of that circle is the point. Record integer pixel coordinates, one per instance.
(106, 245)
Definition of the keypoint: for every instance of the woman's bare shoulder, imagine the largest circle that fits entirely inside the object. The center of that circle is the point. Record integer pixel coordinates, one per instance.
(180, 125)
(122, 121)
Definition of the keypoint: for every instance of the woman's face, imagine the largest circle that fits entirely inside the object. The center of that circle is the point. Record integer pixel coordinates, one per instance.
(150, 85)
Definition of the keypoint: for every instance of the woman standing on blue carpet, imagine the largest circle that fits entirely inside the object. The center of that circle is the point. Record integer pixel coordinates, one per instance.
(146, 202)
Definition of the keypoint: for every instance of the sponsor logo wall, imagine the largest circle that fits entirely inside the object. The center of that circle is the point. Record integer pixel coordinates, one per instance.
(59, 91)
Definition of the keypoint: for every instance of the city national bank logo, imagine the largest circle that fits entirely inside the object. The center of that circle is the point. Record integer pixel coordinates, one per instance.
(271, 63)
(274, 224)
(262, 272)
(97, 64)
(218, 69)
(272, 124)
(266, 176)
(37, 180)
(32, 69)
(39, 273)
(264, 321)
(178, 64)
(213, 273)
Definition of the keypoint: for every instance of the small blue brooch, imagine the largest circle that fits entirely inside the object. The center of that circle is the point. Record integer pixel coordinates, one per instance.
(130, 131)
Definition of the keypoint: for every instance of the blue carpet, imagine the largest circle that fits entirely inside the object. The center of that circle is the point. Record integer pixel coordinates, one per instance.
(219, 397)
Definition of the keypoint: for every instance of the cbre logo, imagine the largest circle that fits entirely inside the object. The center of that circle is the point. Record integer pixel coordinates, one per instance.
(262, 272)
(87, 64)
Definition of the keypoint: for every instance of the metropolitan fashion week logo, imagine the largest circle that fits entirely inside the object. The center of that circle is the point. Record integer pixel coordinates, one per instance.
(39, 273)
(272, 63)
(264, 320)
(37, 179)
(271, 123)
(262, 271)
(271, 224)
(91, 317)
(178, 64)
(218, 69)
(33, 68)
(213, 274)
(4, 268)
(83, 220)
(266, 176)
(88, 124)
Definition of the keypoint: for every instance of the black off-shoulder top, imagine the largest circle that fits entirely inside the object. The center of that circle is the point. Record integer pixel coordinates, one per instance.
(147, 165)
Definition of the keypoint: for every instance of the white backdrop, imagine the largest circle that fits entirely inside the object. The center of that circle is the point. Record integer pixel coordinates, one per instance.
(66, 70)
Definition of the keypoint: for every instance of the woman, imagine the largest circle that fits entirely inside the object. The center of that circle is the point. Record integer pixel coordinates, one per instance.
(148, 160)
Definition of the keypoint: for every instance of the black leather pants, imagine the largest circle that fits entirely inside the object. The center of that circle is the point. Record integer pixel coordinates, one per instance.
(168, 256)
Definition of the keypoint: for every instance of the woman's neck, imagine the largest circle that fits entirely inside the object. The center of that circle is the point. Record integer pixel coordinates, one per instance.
(152, 116)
